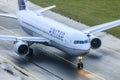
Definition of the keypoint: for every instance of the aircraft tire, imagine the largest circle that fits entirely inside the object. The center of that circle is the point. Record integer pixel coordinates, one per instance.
(80, 65)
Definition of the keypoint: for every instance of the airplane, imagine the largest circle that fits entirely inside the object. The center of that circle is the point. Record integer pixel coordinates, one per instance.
(44, 30)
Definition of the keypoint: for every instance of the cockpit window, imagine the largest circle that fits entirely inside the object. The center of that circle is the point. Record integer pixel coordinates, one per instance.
(80, 42)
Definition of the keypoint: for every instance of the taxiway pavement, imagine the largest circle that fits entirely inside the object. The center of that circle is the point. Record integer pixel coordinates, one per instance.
(50, 63)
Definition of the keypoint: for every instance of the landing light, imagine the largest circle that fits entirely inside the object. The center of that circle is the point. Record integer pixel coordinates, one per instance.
(80, 57)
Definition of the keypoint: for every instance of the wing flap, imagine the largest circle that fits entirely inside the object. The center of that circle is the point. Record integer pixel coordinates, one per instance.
(101, 27)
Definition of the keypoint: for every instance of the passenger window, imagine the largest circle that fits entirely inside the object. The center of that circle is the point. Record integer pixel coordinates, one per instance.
(80, 42)
(76, 42)
(86, 41)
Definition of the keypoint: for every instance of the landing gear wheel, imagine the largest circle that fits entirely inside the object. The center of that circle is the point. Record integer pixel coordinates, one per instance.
(30, 55)
(80, 65)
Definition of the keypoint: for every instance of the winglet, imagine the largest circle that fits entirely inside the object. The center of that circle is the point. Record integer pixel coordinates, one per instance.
(45, 9)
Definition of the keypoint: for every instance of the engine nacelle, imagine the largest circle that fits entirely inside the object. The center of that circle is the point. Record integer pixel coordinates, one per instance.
(95, 42)
(21, 48)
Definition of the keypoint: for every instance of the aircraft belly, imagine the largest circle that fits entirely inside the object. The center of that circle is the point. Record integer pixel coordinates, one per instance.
(71, 51)
(28, 31)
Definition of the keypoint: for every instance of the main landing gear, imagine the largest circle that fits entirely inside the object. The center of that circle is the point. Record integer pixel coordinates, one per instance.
(80, 64)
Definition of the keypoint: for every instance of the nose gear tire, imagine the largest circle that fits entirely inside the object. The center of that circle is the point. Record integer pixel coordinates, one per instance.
(80, 65)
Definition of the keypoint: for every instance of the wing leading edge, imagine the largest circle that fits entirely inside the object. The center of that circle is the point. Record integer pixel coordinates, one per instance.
(101, 27)
(8, 15)
(45, 9)
(28, 39)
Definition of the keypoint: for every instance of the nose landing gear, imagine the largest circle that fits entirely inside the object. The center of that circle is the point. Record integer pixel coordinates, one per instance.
(80, 64)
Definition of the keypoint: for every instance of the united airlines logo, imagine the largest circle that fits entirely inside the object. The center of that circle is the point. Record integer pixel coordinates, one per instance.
(56, 33)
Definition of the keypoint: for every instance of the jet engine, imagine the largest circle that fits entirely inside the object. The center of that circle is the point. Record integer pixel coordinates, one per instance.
(95, 42)
(21, 48)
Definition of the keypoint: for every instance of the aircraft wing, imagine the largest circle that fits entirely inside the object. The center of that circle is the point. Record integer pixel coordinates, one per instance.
(45, 9)
(27, 39)
(8, 15)
(101, 27)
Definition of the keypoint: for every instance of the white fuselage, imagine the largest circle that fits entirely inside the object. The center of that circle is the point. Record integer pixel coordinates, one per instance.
(60, 35)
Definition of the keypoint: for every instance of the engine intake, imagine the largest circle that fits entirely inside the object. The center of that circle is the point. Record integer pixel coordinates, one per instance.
(21, 48)
(95, 43)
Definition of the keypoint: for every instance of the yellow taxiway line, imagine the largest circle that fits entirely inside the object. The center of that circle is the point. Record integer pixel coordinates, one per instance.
(17, 67)
(8, 61)
(55, 54)
(101, 78)
(60, 56)
(20, 69)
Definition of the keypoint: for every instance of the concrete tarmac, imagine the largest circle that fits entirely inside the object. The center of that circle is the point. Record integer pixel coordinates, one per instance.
(49, 63)
(45, 63)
